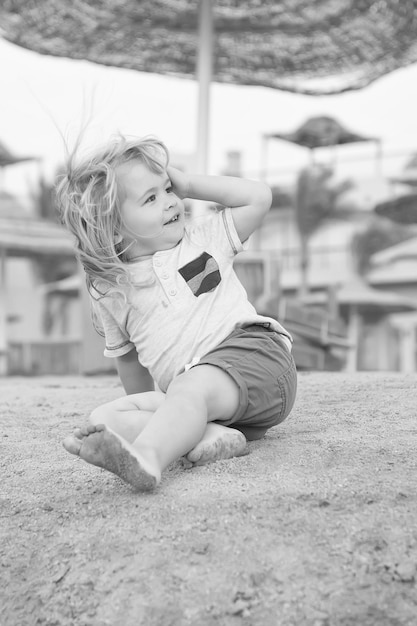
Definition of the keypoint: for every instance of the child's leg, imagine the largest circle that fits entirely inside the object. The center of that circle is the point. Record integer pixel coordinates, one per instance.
(127, 416)
(218, 442)
(203, 394)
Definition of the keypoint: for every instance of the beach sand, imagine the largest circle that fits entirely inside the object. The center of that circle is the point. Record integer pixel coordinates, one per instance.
(317, 526)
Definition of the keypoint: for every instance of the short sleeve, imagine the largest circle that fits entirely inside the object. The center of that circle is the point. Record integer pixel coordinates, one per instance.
(218, 228)
(109, 327)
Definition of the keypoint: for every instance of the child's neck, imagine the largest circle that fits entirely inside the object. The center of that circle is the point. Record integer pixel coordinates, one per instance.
(139, 257)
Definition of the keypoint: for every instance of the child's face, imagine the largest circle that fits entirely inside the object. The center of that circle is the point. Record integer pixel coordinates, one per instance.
(152, 214)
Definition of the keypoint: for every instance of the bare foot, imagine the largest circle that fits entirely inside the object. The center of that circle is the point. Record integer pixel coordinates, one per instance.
(218, 442)
(100, 446)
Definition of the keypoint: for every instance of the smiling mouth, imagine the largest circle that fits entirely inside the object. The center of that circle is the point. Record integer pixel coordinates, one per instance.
(172, 220)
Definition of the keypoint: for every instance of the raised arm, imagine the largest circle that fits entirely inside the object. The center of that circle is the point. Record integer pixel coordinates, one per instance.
(249, 200)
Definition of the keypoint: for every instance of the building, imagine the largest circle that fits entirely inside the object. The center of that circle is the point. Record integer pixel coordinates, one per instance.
(31, 341)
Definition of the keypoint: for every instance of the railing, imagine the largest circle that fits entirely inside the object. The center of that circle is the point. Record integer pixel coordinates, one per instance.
(320, 338)
(320, 258)
(259, 273)
(43, 357)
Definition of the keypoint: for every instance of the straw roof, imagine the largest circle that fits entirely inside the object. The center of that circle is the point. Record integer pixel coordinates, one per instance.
(402, 209)
(319, 132)
(315, 46)
(405, 250)
(8, 158)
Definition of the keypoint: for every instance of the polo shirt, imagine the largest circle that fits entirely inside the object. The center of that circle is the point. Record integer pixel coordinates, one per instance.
(181, 302)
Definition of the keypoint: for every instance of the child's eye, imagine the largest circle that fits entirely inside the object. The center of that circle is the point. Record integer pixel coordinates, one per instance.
(151, 198)
(170, 189)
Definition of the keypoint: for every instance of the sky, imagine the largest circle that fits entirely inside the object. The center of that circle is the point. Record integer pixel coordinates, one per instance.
(45, 99)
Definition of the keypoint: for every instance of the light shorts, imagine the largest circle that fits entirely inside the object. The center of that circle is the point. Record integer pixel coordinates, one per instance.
(261, 364)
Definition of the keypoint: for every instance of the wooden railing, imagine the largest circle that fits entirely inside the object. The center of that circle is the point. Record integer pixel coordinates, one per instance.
(43, 357)
(320, 339)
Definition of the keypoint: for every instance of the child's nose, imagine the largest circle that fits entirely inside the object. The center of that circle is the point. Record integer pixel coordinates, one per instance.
(171, 201)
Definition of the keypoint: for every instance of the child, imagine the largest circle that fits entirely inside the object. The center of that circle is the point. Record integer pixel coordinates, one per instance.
(171, 309)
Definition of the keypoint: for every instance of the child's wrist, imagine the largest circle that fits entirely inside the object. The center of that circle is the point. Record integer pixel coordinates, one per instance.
(188, 187)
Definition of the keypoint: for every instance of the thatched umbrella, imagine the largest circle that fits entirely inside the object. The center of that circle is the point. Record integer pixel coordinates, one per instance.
(317, 132)
(302, 46)
(8, 158)
(311, 47)
(409, 175)
(402, 209)
(321, 132)
(315, 200)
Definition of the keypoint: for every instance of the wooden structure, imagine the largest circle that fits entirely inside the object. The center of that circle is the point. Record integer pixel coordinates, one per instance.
(361, 305)
(26, 237)
(38, 358)
(320, 338)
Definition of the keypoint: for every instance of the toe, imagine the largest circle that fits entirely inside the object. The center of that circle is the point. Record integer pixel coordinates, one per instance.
(239, 441)
(186, 463)
(72, 444)
(195, 454)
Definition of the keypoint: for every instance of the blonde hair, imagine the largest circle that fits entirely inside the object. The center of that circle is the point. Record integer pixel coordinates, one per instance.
(89, 204)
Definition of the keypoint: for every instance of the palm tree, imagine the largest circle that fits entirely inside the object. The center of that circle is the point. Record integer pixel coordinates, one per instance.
(44, 200)
(316, 201)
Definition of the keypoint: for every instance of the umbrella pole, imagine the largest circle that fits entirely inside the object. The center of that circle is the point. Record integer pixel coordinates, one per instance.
(312, 157)
(204, 74)
(263, 174)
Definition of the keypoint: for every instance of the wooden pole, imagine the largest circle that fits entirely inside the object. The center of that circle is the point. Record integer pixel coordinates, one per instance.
(204, 75)
(263, 174)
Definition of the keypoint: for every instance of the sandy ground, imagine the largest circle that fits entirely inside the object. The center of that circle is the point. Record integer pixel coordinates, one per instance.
(316, 526)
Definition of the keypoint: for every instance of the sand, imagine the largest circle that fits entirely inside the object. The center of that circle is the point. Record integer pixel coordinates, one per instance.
(316, 526)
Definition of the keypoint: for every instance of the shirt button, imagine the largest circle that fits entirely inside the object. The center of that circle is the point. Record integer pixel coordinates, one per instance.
(158, 263)
(172, 292)
(165, 275)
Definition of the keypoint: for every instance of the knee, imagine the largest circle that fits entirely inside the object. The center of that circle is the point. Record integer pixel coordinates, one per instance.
(100, 415)
(183, 387)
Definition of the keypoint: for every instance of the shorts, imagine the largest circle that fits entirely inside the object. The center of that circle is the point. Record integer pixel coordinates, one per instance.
(259, 361)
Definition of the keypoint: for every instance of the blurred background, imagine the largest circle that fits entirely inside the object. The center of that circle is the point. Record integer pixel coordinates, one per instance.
(318, 99)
